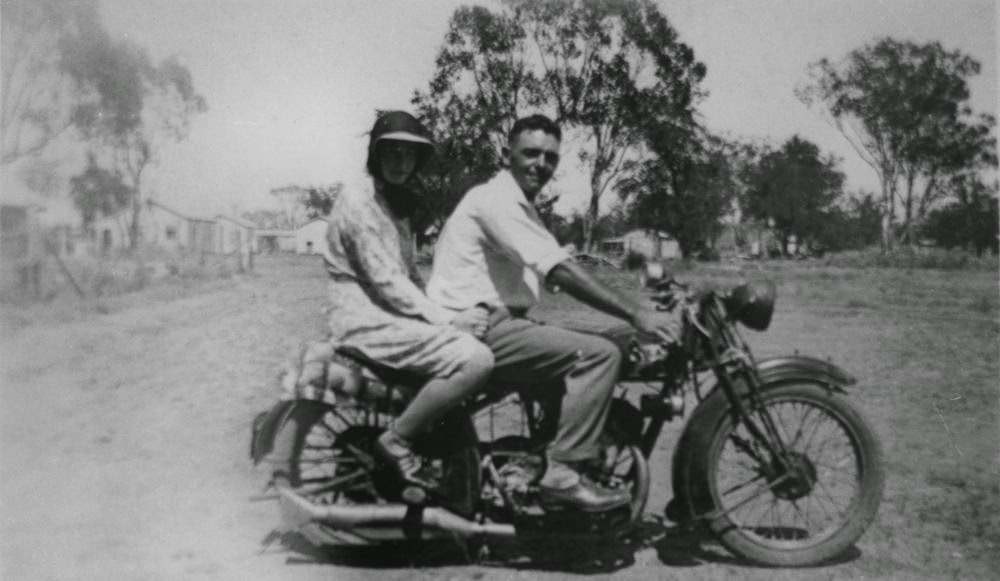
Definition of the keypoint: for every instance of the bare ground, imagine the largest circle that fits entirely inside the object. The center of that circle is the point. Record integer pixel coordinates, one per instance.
(124, 432)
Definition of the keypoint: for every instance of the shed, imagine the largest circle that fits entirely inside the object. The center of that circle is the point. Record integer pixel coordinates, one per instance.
(310, 237)
(649, 243)
(275, 240)
(162, 226)
(21, 245)
(233, 234)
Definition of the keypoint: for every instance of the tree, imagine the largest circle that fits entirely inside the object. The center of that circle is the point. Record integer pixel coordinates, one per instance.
(266, 219)
(319, 200)
(853, 223)
(685, 189)
(585, 63)
(864, 222)
(903, 107)
(37, 95)
(971, 221)
(796, 187)
(41, 175)
(481, 82)
(291, 207)
(129, 107)
(98, 191)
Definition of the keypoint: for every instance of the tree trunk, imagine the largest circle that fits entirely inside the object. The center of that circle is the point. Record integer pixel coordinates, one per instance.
(133, 227)
(908, 210)
(927, 198)
(593, 211)
(888, 210)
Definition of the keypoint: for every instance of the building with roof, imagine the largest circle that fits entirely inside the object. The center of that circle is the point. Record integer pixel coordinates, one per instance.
(233, 234)
(650, 243)
(310, 237)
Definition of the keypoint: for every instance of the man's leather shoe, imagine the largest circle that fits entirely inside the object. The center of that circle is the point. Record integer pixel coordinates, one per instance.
(585, 496)
(397, 452)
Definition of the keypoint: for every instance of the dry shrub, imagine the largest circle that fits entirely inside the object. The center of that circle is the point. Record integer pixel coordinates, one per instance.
(120, 274)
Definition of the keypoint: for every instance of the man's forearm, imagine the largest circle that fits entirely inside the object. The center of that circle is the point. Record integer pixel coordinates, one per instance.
(572, 278)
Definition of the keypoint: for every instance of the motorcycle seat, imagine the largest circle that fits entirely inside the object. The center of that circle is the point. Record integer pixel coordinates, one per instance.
(386, 374)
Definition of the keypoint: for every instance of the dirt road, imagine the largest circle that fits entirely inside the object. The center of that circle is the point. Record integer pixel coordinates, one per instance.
(124, 448)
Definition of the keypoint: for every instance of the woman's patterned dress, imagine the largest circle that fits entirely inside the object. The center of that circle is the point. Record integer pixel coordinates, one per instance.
(377, 304)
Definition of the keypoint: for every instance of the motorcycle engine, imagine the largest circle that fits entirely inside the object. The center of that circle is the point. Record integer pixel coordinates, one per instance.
(518, 475)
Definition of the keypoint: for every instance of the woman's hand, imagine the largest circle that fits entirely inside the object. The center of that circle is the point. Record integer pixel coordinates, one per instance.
(474, 321)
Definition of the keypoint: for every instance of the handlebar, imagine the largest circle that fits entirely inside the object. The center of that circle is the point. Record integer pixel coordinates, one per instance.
(669, 293)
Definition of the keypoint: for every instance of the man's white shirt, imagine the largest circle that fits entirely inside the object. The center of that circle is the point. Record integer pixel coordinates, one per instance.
(494, 249)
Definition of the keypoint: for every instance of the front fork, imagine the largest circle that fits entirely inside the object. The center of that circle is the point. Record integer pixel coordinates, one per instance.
(766, 432)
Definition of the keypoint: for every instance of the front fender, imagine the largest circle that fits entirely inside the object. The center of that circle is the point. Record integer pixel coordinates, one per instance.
(784, 368)
(773, 372)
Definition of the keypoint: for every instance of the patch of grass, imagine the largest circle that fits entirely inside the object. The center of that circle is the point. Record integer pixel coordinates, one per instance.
(985, 304)
(858, 304)
(912, 258)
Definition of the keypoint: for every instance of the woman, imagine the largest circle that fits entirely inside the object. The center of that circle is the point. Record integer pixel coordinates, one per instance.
(378, 307)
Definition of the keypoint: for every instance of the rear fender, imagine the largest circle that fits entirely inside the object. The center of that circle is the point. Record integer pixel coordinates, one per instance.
(267, 425)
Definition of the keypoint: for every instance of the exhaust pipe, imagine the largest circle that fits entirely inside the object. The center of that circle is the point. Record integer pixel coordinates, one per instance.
(297, 511)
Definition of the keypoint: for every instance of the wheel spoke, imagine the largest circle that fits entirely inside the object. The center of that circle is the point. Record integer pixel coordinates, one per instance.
(805, 514)
(741, 485)
(782, 427)
(799, 432)
(329, 485)
(818, 425)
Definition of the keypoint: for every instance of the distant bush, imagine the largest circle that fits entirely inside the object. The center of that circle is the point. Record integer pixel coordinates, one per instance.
(634, 260)
(909, 257)
(120, 274)
(708, 255)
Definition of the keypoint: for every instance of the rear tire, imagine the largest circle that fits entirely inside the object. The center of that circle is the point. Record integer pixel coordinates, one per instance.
(323, 452)
(848, 482)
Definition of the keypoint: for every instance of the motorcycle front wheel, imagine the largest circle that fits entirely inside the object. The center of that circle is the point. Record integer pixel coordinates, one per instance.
(803, 509)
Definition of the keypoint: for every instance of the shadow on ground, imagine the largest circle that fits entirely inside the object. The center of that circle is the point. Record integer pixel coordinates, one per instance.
(675, 546)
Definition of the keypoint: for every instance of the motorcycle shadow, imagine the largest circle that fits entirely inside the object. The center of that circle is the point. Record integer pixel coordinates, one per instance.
(675, 546)
(687, 547)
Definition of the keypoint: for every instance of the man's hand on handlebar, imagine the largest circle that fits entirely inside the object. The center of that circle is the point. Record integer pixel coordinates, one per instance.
(666, 324)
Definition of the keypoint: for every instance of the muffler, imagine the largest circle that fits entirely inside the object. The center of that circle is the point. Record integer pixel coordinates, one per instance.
(297, 511)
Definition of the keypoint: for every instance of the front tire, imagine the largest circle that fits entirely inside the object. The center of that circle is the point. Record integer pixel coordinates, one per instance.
(803, 516)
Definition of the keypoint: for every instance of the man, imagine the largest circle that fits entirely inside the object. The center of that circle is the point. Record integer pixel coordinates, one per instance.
(495, 251)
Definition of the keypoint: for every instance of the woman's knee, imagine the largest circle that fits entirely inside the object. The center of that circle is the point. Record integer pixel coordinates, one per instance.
(481, 360)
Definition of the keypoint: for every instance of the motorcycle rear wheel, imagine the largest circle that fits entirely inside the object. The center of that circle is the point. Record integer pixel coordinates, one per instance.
(764, 516)
(324, 452)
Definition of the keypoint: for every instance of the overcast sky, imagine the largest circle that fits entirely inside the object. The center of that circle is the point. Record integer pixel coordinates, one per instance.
(291, 85)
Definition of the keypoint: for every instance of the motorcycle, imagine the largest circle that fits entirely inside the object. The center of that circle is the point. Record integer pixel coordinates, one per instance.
(774, 460)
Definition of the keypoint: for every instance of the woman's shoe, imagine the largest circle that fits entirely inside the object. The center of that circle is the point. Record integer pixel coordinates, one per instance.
(397, 451)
